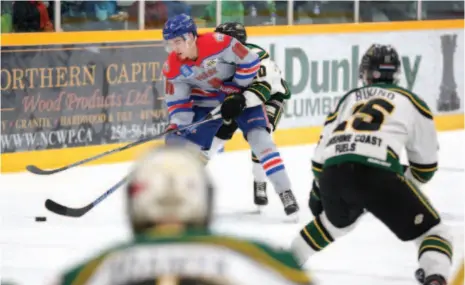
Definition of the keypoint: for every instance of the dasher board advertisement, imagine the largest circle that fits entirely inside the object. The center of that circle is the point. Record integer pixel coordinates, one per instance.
(320, 69)
(63, 96)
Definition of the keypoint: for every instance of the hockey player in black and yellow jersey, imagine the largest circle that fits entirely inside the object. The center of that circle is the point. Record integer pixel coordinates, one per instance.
(271, 88)
(357, 169)
(169, 204)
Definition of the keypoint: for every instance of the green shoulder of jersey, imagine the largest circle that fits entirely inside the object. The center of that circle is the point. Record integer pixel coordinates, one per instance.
(263, 90)
(416, 101)
(262, 53)
(279, 261)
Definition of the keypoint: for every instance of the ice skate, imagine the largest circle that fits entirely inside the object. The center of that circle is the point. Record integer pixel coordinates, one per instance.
(290, 204)
(259, 191)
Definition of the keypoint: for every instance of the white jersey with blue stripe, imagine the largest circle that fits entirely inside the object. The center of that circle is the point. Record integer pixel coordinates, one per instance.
(223, 66)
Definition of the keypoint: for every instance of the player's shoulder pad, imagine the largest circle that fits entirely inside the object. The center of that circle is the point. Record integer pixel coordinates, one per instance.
(213, 43)
(417, 102)
(172, 66)
(332, 116)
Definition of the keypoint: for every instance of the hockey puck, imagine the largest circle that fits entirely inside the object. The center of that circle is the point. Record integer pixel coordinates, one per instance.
(41, 219)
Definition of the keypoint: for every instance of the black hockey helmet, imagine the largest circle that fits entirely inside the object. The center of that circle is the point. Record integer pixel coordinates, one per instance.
(233, 29)
(380, 63)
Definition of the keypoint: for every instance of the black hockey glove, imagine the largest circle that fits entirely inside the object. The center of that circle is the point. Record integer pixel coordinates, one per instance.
(314, 202)
(232, 107)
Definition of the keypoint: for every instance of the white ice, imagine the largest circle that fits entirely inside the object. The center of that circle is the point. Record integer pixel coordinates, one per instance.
(33, 253)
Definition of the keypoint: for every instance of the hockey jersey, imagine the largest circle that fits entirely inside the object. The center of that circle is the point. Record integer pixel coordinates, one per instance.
(155, 257)
(373, 125)
(223, 66)
(269, 83)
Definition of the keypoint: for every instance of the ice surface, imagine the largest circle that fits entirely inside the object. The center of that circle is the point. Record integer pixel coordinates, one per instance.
(33, 253)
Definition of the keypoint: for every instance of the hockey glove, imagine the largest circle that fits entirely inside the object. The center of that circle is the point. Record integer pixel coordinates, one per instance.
(314, 202)
(232, 107)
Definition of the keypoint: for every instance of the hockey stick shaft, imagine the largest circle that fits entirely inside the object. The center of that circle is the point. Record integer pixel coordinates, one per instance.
(36, 170)
(451, 169)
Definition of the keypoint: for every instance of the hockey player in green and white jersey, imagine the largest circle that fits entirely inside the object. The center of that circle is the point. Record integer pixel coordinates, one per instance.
(357, 169)
(169, 204)
(271, 89)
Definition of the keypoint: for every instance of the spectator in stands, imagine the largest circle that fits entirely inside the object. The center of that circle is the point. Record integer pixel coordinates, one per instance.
(158, 12)
(31, 16)
(7, 19)
(232, 11)
(258, 13)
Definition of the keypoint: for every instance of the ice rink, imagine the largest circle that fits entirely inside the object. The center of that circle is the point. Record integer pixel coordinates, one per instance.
(33, 253)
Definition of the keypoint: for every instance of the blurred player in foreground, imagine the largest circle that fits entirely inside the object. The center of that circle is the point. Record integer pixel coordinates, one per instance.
(169, 203)
(205, 71)
(271, 88)
(357, 168)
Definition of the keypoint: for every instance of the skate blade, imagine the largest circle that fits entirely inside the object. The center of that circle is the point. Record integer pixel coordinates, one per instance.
(292, 218)
(260, 208)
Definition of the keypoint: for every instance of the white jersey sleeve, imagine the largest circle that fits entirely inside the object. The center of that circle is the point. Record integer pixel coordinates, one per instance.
(422, 148)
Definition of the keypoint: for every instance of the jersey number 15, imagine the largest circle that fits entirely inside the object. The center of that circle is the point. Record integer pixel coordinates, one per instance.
(368, 117)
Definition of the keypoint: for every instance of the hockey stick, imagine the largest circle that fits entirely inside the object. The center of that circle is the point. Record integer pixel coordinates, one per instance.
(451, 169)
(78, 212)
(36, 170)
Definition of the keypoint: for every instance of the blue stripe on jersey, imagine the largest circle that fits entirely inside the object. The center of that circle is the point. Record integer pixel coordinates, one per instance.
(248, 65)
(202, 98)
(182, 101)
(240, 76)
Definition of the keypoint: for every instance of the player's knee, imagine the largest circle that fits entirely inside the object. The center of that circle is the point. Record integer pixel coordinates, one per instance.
(338, 229)
(439, 232)
(343, 221)
(419, 227)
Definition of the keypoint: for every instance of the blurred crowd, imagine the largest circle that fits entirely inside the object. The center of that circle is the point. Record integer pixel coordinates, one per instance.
(35, 16)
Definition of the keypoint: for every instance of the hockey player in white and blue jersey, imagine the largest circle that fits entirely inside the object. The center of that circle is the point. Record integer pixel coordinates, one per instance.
(212, 69)
(357, 169)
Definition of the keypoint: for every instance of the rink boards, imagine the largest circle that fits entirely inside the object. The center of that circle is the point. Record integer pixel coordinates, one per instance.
(68, 96)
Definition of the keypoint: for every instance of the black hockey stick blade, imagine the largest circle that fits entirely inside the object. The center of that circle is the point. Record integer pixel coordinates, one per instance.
(35, 170)
(65, 211)
(78, 212)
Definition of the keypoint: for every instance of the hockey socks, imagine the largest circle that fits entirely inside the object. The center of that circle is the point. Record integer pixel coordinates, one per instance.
(315, 235)
(435, 252)
(261, 143)
(217, 145)
(436, 244)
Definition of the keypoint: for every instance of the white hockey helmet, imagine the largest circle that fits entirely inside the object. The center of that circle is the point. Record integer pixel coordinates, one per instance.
(169, 185)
